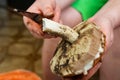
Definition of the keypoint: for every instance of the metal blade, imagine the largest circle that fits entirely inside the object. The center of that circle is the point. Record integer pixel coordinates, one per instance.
(34, 16)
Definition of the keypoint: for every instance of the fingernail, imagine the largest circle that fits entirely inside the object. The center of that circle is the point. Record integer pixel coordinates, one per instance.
(48, 12)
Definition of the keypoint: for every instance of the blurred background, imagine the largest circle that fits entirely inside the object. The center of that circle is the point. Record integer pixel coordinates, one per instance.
(18, 48)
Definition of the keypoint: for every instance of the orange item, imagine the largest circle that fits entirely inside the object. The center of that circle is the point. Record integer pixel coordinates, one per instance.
(19, 75)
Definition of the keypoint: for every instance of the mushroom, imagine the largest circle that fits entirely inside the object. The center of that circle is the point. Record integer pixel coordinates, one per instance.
(82, 54)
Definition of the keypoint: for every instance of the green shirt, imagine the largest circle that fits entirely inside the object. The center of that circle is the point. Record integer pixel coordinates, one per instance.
(88, 8)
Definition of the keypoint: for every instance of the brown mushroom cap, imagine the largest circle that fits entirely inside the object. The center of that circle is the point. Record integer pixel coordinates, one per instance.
(77, 58)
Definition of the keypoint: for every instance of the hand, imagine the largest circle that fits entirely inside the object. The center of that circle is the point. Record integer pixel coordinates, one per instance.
(91, 72)
(106, 27)
(108, 19)
(47, 8)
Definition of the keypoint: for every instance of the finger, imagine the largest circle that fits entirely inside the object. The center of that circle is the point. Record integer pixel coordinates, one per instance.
(57, 14)
(92, 71)
(33, 27)
(47, 7)
(48, 11)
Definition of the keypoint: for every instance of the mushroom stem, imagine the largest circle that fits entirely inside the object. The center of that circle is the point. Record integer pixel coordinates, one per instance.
(56, 29)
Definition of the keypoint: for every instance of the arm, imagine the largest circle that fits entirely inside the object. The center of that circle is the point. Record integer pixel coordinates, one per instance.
(108, 19)
(64, 3)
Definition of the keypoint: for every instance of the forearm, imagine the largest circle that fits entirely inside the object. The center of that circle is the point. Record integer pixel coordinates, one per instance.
(110, 12)
(64, 3)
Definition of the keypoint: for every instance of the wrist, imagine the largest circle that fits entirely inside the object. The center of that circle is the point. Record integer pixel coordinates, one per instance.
(111, 12)
(106, 27)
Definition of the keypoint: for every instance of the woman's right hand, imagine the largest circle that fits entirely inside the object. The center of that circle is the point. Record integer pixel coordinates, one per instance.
(47, 8)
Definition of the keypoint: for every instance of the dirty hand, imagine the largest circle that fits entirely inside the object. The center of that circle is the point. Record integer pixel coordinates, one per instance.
(47, 8)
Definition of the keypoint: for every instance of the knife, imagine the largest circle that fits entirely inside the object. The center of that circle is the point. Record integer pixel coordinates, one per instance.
(51, 27)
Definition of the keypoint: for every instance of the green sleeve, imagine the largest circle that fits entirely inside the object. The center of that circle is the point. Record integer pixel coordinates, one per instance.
(88, 8)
